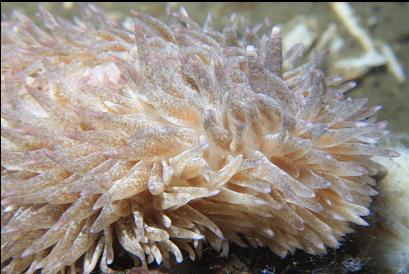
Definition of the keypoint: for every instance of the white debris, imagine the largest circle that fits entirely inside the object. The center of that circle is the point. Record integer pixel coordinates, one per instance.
(328, 35)
(373, 56)
(393, 64)
(392, 245)
(354, 67)
(68, 5)
(337, 44)
(350, 20)
(302, 29)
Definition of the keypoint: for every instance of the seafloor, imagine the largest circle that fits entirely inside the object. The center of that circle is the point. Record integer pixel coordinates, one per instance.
(385, 21)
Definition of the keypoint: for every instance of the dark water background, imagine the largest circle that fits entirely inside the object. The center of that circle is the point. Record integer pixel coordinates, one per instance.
(380, 86)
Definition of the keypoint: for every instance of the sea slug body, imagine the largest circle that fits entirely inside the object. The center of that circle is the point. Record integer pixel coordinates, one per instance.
(165, 137)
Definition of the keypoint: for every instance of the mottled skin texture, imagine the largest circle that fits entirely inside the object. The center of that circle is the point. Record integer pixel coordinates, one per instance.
(165, 137)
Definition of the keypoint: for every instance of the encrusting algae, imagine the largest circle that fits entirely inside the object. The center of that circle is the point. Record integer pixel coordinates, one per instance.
(165, 137)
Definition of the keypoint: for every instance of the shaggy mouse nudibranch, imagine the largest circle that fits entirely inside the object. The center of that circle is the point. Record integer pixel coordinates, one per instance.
(165, 137)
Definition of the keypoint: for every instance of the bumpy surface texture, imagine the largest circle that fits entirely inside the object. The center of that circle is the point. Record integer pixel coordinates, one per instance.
(156, 138)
